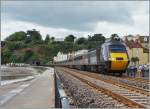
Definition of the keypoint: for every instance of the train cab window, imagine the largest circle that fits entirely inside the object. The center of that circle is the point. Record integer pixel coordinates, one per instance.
(104, 52)
(117, 48)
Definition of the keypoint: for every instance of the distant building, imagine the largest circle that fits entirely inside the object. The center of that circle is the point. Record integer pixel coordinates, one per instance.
(143, 40)
(69, 56)
(138, 46)
(129, 37)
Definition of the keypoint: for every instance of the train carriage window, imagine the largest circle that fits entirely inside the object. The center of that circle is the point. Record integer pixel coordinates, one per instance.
(117, 48)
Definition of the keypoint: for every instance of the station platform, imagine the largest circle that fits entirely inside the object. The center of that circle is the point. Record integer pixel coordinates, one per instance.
(38, 93)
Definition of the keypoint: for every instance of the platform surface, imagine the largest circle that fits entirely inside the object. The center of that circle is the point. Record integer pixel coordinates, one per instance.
(38, 93)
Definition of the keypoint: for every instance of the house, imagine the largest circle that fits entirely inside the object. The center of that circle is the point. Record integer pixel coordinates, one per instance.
(137, 46)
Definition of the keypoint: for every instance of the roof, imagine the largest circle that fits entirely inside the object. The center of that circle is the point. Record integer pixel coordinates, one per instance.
(133, 44)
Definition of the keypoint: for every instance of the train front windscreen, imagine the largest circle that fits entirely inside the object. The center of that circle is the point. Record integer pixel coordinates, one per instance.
(117, 48)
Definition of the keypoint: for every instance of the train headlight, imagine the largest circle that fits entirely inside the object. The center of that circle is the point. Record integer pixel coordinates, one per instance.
(112, 58)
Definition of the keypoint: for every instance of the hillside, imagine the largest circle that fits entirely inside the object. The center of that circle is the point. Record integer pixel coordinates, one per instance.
(29, 47)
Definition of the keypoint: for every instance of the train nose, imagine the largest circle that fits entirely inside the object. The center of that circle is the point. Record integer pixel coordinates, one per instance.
(119, 61)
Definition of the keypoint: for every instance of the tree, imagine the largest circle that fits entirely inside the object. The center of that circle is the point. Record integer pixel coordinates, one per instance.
(80, 40)
(5, 56)
(28, 54)
(3, 43)
(15, 45)
(33, 36)
(17, 36)
(115, 37)
(95, 40)
(134, 60)
(11, 46)
(70, 38)
(51, 42)
(52, 38)
(47, 38)
(97, 37)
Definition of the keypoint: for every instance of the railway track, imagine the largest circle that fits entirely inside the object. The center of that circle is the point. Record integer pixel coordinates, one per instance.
(121, 82)
(83, 97)
(122, 94)
(144, 81)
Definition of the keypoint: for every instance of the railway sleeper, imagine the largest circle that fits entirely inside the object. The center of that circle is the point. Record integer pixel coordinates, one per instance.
(113, 81)
(118, 97)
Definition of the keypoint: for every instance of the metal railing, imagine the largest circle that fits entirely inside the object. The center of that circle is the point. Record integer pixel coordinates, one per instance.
(61, 100)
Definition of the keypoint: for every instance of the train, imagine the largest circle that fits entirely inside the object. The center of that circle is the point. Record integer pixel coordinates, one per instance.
(109, 58)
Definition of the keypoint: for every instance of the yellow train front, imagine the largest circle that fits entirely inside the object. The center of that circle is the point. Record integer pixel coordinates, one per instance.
(115, 57)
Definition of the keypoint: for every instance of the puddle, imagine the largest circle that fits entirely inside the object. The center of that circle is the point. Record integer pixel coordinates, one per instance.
(16, 74)
(14, 80)
(13, 77)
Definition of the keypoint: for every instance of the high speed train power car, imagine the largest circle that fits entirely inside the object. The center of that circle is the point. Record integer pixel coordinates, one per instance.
(110, 57)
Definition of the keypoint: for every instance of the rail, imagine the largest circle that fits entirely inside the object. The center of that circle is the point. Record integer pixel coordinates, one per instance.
(115, 82)
(120, 95)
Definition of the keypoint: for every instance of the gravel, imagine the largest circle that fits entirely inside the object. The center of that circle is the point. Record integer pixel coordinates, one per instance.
(84, 95)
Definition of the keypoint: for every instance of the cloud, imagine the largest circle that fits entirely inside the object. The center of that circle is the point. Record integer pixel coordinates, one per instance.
(140, 26)
(60, 18)
(74, 15)
(10, 27)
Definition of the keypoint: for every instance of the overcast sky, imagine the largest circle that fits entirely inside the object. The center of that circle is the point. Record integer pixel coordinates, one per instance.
(81, 18)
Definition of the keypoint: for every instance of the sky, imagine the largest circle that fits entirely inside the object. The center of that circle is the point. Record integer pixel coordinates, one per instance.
(80, 18)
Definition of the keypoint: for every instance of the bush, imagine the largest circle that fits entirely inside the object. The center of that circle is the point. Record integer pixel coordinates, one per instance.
(15, 45)
(134, 60)
(17, 36)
